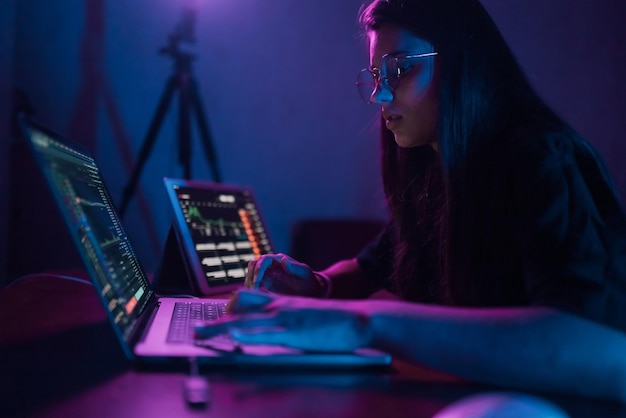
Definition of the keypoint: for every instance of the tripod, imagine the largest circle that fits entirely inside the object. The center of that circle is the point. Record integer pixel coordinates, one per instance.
(189, 101)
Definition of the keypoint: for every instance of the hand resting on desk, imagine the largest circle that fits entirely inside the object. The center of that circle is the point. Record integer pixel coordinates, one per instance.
(297, 322)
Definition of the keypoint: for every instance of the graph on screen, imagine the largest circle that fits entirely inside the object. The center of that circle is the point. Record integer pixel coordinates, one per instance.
(226, 230)
(89, 212)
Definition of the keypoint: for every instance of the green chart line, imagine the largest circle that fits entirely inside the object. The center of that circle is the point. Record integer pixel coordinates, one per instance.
(194, 212)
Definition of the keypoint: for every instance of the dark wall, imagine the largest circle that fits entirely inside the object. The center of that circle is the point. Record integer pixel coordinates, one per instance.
(277, 82)
(6, 80)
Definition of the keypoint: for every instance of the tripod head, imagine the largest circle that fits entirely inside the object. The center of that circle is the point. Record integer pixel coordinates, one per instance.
(184, 32)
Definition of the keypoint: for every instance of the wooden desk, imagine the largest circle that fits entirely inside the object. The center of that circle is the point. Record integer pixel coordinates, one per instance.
(59, 357)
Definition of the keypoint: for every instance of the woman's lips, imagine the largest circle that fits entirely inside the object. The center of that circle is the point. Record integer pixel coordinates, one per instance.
(391, 121)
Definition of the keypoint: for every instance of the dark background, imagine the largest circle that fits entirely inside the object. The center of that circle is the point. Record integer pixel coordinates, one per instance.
(276, 79)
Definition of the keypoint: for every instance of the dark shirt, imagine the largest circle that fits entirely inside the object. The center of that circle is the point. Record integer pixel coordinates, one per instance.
(559, 235)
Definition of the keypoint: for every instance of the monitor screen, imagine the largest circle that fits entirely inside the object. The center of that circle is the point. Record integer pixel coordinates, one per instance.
(222, 229)
(85, 203)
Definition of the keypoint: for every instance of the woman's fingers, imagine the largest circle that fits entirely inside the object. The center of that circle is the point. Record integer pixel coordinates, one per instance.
(249, 301)
(294, 267)
(279, 273)
(261, 335)
(228, 324)
(257, 269)
(252, 304)
(248, 283)
(260, 267)
(297, 322)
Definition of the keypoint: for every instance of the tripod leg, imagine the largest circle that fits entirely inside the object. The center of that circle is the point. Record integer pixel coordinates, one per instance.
(204, 131)
(155, 124)
(184, 125)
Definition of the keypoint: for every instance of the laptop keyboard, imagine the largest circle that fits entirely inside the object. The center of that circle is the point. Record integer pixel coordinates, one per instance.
(188, 315)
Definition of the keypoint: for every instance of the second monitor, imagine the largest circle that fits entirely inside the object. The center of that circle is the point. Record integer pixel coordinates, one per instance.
(218, 229)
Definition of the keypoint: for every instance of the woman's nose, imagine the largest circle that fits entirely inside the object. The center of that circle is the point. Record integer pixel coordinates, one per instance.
(381, 93)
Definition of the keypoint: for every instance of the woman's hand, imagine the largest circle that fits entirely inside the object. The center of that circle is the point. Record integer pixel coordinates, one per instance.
(303, 323)
(279, 273)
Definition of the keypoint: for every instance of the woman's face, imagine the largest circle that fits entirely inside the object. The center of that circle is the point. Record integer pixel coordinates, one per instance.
(411, 110)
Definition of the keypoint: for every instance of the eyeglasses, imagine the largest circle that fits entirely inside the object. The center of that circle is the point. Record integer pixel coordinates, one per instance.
(388, 75)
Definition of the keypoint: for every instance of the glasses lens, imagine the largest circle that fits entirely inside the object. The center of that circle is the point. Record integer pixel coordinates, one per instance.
(389, 70)
(366, 85)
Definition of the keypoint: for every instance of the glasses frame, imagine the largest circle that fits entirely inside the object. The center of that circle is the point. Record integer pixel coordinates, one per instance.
(386, 80)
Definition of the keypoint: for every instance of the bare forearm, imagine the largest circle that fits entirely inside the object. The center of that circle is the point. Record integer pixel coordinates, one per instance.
(348, 280)
(526, 348)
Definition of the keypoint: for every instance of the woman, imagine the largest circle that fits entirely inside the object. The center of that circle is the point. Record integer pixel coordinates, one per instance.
(506, 245)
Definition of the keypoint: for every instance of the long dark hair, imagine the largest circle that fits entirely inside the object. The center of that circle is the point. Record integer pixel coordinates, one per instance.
(484, 97)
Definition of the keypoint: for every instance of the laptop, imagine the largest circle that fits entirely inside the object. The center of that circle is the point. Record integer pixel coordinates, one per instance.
(142, 320)
(217, 230)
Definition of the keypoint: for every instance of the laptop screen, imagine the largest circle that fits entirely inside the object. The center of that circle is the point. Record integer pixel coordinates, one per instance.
(94, 225)
(221, 229)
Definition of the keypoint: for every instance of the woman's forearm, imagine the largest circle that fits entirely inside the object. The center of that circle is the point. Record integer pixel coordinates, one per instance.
(526, 348)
